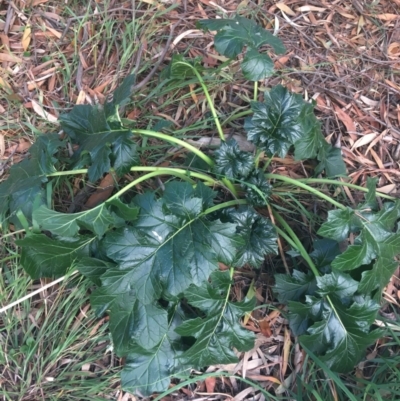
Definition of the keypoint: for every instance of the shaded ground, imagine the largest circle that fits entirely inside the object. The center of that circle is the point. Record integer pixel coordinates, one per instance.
(343, 54)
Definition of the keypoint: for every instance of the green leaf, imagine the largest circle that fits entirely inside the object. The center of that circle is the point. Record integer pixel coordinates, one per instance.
(219, 330)
(257, 66)
(122, 210)
(180, 67)
(133, 322)
(24, 185)
(285, 119)
(258, 235)
(231, 162)
(294, 287)
(93, 268)
(98, 220)
(170, 246)
(373, 241)
(257, 188)
(325, 251)
(339, 224)
(150, 370)
(377, 278)
(331, 161)
(234, 34)
(120, 96)
(100, 134)
(342, 336)
(42, 256)
(340, 284)
(275, 125)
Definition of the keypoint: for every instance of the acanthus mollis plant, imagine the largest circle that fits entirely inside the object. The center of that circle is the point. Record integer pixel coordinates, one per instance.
(155, 257)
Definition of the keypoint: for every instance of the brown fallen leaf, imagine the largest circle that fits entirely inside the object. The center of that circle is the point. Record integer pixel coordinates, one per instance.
(10, 58)
(347, 121)
(265, 327)
(210, 384)
(103, 192)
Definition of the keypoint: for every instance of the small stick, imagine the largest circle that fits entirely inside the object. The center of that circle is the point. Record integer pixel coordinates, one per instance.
(33, 293)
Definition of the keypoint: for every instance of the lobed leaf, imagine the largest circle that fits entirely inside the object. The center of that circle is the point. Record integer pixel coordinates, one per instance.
(219, 330)
(150, 370)
(24, 187)
(234, 34)
(98, 220)
(42, 256)
(258, 235)
(232, 162)
(100, 134)
(283, 120)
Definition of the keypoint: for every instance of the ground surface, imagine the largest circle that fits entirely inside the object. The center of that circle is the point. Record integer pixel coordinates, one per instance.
(343, 54)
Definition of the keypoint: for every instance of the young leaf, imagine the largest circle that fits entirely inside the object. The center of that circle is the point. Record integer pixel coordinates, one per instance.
(257, 66)
(285, 119)
(219, 330)
(120, 96)
(232, 162)
(234, 34)
(275, 125)
(42, 256)
(257, 188)
(258, 234)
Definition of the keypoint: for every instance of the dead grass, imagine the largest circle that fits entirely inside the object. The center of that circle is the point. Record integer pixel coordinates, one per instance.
(343, 54)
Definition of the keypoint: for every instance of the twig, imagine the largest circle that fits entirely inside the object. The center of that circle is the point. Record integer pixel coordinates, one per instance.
(33, 293)
(160, 60)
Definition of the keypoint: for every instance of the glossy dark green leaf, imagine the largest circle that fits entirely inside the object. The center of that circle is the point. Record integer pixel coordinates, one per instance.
(374, 280)
(170, 246)
(275, 125)
(373, 241)
(340, 284)
(342, 336)
(98, 220)
(231, 162)
(339, 224)
(257, 66)
(325, 251)
(219, 330)
(24, 185)
(258, 234)
(150, 370)
(93, 268)
(257, 188)
(122, 210)
(42, 256)
(105, 140)
(234, 34)
(133, 322)
(294, 287)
